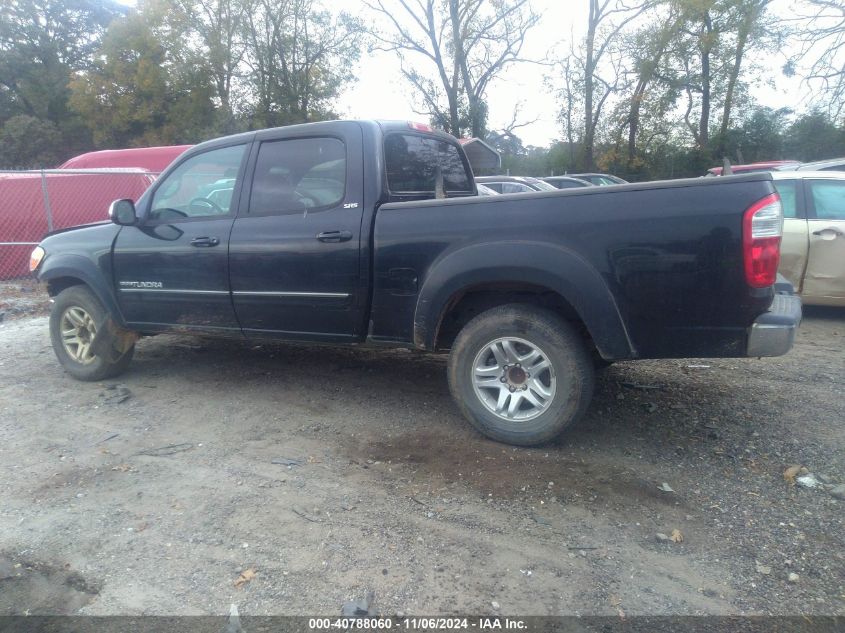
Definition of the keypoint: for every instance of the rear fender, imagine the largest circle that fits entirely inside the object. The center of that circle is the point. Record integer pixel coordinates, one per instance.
(539, 264)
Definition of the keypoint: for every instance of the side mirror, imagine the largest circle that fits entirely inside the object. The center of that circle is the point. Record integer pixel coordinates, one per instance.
(122, 212)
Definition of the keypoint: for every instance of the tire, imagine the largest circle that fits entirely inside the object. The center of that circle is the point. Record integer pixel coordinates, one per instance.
(533, 336)
(77, 306)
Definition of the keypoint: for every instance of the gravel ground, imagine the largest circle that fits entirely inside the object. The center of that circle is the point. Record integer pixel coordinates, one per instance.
(21, 298)
(155, 495)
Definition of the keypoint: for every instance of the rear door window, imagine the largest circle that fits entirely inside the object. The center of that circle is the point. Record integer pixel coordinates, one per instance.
(413, 163)
(828, 198)
(298, 175)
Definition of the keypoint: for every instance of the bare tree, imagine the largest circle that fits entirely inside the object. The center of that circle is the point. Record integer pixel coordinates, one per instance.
(298, 57)
(746, 23)
(569, 69)
(819, 29)
(606, 20)
(711, 59)
(648, 49)
(702, 39)
(463, 44)
(209, 33)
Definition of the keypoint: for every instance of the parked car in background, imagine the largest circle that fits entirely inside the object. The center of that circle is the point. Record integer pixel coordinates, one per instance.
(831, 164)
(812, 254)
(752, 167)
(514, 184)
(600, 179)
(484, 190)
(566, 182)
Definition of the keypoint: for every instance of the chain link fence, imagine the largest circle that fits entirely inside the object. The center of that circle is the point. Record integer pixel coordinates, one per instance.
(33, 203)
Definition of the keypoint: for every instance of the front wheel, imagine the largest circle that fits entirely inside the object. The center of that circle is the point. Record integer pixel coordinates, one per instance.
(520, 374)
(74, 321)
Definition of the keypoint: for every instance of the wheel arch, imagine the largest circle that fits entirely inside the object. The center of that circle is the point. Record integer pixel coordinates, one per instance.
(66, 271)
(534, 273)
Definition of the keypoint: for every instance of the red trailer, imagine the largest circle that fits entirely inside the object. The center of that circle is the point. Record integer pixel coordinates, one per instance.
(78, 192)
(153, 159)
(32, 205)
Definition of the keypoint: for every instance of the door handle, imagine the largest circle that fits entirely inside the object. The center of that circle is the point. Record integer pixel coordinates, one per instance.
(334, 236)
(205, 241)
(836, 232)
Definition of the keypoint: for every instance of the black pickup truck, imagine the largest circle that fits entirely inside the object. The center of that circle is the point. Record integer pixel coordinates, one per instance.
(372, 232)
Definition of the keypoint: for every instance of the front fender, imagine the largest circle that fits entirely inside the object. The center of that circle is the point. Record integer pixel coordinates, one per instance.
(554, 267)
(79, 267)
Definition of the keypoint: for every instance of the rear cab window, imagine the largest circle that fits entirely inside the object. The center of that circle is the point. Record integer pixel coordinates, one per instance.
(414, 163)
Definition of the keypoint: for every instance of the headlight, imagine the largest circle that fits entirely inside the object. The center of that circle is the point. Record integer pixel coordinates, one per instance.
(35, 259)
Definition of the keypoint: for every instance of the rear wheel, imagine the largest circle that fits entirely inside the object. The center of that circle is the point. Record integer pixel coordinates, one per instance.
(520, 374)
(74, 321)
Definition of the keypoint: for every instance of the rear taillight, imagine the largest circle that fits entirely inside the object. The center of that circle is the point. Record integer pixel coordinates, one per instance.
(762, 229)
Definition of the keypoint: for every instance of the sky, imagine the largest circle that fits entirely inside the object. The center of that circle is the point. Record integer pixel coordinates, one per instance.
(381, 92)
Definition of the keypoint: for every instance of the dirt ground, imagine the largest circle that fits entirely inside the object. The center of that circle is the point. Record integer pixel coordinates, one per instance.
(153, 495)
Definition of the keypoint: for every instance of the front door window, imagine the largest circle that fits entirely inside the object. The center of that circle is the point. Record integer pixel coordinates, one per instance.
(201, 187)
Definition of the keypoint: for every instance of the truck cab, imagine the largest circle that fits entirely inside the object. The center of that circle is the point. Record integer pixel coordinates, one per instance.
(267, 233)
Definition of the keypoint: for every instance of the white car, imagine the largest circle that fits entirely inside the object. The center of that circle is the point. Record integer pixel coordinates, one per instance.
(812, 255)
(831, 164)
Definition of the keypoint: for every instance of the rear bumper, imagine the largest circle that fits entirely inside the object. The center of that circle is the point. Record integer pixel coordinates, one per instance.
(773, 332)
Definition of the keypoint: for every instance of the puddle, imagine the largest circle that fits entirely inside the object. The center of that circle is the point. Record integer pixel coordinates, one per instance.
(29, 587)
(508, 472)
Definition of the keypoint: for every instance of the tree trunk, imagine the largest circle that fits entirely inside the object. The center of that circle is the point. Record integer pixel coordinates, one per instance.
(706, 47)
(589, 69)
(750, 17)
(634, 117)
(461, 67)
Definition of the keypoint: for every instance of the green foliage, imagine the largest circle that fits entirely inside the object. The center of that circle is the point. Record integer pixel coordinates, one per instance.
(671, 97)
(299, 58)
(95, 75)
(27, 143)
(518, 160)
(758, 138)
(814, 137)
(765, 134)
(131, 97)
(42, 43)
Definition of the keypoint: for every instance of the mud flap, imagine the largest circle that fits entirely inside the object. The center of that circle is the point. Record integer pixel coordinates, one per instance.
(112, 341)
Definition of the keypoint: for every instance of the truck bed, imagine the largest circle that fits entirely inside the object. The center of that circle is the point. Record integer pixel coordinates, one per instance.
(668, 254)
